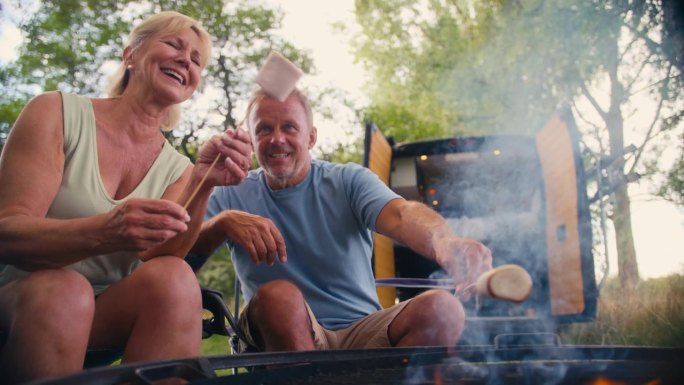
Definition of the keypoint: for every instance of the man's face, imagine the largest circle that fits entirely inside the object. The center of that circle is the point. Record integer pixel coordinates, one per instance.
(282, 138)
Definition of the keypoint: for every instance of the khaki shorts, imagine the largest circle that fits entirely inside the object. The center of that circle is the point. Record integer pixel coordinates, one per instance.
(368, 332)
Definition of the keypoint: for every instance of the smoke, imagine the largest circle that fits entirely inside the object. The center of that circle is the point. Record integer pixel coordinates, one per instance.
(492, 193)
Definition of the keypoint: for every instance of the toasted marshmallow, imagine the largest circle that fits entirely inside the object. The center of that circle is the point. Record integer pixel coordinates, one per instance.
(505, 282)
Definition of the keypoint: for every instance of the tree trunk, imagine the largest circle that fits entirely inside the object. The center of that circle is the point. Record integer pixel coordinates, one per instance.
(628, 269)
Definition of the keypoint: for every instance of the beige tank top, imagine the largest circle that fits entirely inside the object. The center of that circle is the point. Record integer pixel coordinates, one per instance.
(82, 192)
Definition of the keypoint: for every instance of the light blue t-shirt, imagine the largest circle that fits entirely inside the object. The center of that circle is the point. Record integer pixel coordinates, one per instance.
(326, 222)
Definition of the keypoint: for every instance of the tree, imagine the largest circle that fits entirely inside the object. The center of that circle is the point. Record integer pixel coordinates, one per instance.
(69, 44)
(65, 43)
(504, 66)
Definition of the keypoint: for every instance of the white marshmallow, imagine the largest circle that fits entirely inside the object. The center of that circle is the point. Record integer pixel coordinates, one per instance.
(278, 76)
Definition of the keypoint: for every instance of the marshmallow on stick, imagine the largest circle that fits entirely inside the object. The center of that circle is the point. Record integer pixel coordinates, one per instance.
(506, 282)
(278, 76)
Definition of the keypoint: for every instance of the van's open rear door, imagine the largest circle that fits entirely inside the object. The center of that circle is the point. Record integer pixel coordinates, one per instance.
(572, 282)
(378, 158)
(522, 196)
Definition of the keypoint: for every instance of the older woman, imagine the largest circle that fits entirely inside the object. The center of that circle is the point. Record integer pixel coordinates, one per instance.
(97, 211)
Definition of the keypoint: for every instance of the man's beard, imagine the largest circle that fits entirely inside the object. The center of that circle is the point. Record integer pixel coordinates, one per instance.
(283, 178)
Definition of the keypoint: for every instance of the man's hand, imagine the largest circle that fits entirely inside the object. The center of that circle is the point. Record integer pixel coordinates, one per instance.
(257, 235)
(465, 260)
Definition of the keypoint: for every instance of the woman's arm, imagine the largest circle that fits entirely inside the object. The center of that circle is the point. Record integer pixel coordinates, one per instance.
(31, 169)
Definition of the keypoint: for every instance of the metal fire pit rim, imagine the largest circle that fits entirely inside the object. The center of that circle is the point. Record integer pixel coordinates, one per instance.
(204, 368)
(472, 353)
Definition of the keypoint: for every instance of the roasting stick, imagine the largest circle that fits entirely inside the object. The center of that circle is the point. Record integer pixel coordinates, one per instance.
(506, 282)
(206, 174)
(277, 77)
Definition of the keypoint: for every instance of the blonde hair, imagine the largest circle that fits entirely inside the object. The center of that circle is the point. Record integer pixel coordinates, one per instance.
(259, 94)
(160, 24)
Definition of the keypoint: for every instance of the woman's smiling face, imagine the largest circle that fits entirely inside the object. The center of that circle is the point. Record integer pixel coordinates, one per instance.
(170, 65)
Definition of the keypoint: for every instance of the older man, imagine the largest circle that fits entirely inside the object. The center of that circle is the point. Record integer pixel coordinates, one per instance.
(300, 234)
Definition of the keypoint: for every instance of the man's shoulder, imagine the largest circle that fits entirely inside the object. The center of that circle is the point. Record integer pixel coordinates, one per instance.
(330, 167)
(251, 181)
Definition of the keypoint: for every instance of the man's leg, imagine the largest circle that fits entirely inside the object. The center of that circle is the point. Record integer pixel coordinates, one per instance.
(432, 318)
(278, 318)
(48, 316)
(154, 313)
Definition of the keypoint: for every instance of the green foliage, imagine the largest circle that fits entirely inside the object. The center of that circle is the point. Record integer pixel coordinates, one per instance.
(404, 124)
(218, 274)
(9, 111)
(69, 43)
(64, 46)
(343, 153)
(488, 66)
(653, 315)
(66, 42)
(216, 345)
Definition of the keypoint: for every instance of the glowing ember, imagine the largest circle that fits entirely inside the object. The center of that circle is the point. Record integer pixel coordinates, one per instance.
(607, 381)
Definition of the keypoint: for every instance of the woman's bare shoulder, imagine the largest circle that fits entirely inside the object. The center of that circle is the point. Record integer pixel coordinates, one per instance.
(50, 99)
(40, 107)
(40, 122)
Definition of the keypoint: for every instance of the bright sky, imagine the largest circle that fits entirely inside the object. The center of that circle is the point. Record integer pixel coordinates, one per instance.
(658, 226)
(308, 24)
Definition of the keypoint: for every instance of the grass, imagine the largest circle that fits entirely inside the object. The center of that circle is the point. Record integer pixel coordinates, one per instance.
(653, 315)
(216, 345)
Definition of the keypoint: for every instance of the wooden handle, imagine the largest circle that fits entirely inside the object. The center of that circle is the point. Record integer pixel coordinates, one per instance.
(506, 282)
(206, 174)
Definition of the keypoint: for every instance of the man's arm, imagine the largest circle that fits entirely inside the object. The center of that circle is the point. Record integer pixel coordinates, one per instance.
(257, 235)
(427, 233)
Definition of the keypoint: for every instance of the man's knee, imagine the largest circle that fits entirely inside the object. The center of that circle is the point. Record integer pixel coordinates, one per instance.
(433, 317)
(440, 307)
(278, 292)
(279, 319)
(280, 297)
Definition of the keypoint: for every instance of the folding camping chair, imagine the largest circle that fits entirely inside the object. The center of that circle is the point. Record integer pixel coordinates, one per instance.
(215, 322)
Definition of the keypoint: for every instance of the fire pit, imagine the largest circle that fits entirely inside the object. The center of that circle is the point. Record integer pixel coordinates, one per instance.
(415, 366)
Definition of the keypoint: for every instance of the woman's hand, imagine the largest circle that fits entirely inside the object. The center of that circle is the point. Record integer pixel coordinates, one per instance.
(234, 150)
(140, 224)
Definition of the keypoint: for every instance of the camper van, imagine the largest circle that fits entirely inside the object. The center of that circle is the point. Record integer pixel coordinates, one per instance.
(524, 197)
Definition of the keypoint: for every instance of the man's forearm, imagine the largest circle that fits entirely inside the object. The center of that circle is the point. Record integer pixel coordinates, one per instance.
(211, 236)
(415, 225)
